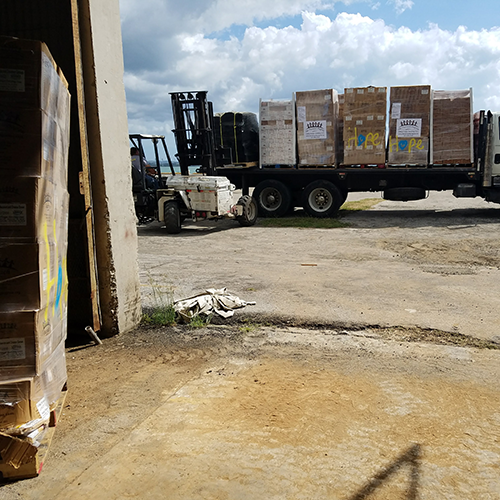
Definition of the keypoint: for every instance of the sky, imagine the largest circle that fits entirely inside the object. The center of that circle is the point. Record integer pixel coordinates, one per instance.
(242, 51)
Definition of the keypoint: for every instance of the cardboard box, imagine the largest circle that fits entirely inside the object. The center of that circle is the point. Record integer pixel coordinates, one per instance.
(277, 133)
(19, 400)
(339, 143)
(409, 125)
(33, 209)
(365, 110)
(452, 127)
(317, 112)
(25, 403)
(30, 78)
(33, 276)
(28, 340)
(32, 143)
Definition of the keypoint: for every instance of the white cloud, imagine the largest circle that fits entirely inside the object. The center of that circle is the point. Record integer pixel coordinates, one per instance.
(401, 5)
(323, 52)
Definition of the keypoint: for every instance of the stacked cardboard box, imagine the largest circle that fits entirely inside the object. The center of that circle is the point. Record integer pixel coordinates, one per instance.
(364, 125)
(317, 114)
(34, 140)
(340, 131)
(452, 122)
(409, 125)
(277, 133)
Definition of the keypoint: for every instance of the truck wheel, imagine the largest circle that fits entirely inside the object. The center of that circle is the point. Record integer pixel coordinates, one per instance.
(172, 217)
(322, 199)
(249, 217)
(273, 198)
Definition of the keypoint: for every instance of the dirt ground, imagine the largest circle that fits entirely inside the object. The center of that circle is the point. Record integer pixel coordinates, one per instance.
(368, 368)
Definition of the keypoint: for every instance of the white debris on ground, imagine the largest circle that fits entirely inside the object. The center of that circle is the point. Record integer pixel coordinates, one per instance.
(211, 301)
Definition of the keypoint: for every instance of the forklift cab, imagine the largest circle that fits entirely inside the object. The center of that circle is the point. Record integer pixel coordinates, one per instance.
(144, 191)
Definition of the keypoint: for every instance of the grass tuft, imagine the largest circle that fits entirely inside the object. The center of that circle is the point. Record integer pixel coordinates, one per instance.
(199, 321)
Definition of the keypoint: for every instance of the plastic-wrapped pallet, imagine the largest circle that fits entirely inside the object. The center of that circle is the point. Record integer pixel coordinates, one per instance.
(277, 133)
(409, 125)
(34, 209)
(452, 127)
(317, 112)
(364, 125)
(339, 143)
(238, 132)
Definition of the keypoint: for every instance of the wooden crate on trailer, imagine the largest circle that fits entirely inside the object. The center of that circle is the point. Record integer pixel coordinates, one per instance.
(409, 125)
(317, 112)
(364, 125)
(452, 127)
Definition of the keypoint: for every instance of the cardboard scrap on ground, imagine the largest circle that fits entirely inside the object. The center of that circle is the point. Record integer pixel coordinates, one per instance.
(211, 301)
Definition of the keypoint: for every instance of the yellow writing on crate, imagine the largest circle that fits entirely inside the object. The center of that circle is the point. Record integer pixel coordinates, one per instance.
(396, 144)
(60, 278)
(365, 141)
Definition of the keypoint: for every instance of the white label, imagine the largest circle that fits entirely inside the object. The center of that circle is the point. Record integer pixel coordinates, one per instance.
(329, 124)
(13, 214)
(348, 118)
(349, 91)
(369, 118)
(425, 91)
(409, 127)
(12, 80)
(359, 122)
(12, 349)
(43, 408)
(380, 117)
(361, 91)
(315, 129)
(328, 97)
(301, 114)
(371, 90)
(396, 110)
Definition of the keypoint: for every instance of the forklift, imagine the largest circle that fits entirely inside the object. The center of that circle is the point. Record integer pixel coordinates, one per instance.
(197, 193)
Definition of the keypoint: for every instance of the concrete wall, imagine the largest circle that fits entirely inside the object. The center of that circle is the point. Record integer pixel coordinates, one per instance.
(114, 216)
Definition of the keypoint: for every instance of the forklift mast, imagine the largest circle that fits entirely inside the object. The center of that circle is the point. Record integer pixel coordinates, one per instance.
(193, 122)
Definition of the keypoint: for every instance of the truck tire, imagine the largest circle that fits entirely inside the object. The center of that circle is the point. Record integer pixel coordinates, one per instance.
(273, 198)
(172, 217)
(249, 217)
(322, 199)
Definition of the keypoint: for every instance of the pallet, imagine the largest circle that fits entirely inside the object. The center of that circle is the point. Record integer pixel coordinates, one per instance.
(27, 460)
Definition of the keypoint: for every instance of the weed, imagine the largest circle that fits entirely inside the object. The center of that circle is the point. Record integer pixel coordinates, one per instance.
(163, 312)
(199, 321)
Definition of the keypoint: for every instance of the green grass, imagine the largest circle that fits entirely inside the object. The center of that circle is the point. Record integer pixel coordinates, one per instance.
(200, 321)
(160, 316)
(326, 223)
(358, 206)
(163, 312)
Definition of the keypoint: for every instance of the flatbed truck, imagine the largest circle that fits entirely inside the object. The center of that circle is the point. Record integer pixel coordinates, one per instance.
(322, 190)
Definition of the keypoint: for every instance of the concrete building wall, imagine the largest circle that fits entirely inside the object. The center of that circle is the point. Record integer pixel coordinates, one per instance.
(114, 216)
